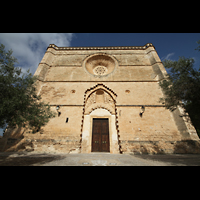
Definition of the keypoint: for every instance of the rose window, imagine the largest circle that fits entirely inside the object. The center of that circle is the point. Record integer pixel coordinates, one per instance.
(100, 70)
(100, 65)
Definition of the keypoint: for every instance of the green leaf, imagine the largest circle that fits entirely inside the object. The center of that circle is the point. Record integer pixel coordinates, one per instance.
(19, 103)
(182, 87)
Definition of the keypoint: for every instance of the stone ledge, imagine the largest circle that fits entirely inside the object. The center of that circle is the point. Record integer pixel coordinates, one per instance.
(102, 48)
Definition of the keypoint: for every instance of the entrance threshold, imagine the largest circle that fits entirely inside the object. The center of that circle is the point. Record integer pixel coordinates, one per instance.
(99, 152)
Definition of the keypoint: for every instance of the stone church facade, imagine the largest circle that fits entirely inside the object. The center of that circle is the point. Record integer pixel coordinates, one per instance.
(107, 100)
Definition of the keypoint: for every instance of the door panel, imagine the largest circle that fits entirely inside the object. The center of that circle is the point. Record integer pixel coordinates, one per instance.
(105, 143)
(100, 135)
(96, 133)
(96, 143)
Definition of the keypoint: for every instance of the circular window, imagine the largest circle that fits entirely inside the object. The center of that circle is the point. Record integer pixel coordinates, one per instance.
(99, 64)
(100, 70)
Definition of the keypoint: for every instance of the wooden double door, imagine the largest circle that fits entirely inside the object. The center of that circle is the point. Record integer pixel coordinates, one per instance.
(100, 135)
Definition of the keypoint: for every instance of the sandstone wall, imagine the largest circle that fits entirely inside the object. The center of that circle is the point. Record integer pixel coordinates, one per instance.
(134, 74)
(128, 93)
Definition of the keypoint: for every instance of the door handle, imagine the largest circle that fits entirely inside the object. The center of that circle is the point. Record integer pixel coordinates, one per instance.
(103, 141)
(96, 141)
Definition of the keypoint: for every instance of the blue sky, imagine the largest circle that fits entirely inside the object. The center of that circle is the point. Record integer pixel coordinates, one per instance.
(29, 48)
(168, 45)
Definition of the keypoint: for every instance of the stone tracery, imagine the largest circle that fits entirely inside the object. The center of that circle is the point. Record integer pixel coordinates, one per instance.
(100, 70)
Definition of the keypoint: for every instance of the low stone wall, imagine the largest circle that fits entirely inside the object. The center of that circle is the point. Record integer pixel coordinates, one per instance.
(61, 145)
(161, 147)
(67, 145)
(57, 145)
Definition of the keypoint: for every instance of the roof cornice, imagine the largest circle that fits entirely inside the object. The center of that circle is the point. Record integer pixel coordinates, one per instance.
(102, 48)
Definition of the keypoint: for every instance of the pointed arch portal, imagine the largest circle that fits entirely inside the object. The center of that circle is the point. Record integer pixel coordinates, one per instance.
(99, 128)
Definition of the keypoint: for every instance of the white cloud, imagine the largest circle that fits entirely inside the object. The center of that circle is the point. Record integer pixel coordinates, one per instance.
(29, 48)
(167, 56)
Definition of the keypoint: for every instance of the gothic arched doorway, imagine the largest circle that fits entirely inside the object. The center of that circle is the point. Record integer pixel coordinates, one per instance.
(99, 104)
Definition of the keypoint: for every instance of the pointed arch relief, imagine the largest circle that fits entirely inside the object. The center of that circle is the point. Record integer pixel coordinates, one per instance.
(100, 86)
(99, 98)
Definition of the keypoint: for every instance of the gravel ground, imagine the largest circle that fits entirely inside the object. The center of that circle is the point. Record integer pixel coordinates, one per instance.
(96, 159)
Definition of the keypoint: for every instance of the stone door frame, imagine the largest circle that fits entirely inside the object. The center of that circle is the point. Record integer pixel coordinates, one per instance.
(86, 146)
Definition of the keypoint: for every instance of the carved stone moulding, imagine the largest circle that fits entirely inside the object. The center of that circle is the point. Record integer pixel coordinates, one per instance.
(102, 48)
(100, 64)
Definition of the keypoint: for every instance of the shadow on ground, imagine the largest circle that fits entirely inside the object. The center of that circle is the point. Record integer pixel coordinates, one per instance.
(173, 159)
(15, 159)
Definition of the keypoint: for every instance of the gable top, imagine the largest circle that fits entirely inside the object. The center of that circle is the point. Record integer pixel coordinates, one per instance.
(102, 48)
